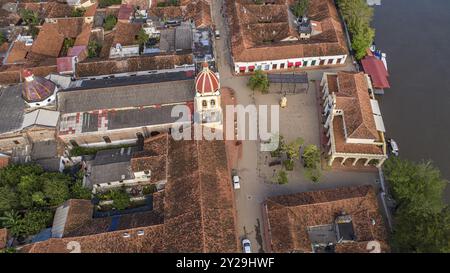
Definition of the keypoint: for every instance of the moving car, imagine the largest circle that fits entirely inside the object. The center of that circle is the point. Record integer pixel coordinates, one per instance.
(246, 246)
(393, 147)
(217, 34)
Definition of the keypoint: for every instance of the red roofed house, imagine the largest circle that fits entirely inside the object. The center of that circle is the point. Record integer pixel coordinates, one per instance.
(338, 220)
(207, 98)
(353, 123)
(125, 13)
(270, 37)
(375, 68)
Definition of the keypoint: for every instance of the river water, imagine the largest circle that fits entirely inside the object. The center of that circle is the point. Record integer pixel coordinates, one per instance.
(415, 34)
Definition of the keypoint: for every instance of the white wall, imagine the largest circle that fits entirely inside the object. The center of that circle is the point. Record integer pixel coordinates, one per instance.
(268, 65)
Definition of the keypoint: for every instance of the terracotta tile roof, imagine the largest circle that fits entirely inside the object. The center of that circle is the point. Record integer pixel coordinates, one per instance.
(3, 237)
(170, 12)
(125, 33)
(131, 64)
(199, 12)
(198, 178)
(64, 64)
(7, 18)
(51, 36)
(111, 242)
(142, 4)
(4, 161)
(193, 214)
(56, 10)
(353, 98)
(257, 31)
(125, 12)
(10, 74)
(91, 10)
(17, 53)
(290, 216)
(343, 147)
(153, 158)
(80, 212)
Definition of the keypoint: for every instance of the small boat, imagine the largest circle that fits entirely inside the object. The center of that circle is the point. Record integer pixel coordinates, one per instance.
(380, 55)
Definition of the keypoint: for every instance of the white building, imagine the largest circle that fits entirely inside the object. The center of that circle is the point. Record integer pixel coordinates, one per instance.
(352, 120)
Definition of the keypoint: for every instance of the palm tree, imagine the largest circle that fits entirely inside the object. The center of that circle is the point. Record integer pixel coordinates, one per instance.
(12, 221)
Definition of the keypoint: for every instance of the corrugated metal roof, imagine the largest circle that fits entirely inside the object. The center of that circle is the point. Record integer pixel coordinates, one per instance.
(41, 117)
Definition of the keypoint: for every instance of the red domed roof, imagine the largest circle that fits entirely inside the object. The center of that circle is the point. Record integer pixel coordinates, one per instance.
(207, 81)
(36, 89)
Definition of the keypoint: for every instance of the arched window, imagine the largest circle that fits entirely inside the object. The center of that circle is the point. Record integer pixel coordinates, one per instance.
(204, 103)
(213, 103)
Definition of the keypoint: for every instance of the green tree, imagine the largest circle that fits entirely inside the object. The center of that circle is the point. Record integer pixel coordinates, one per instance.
(311, 162)
(313, 174)
(27, 186)
(281, 148)
(121, 200)
(10, 219)
(56, 191)
(422, 220)
(93, 49)
(142, 38)
(78, 12)
(429, 233)
(311, 156)
(300, 8)
(2, 38)
(417, 188)
(110, 22)
(361, 40)
(67, 43)
(293, 148)
(356, 13)
(79, 192)
(259, 81)
(38, 198)
(358, 16)
(30, 17)
(34, 221)
(282, 177)
(8, 199)
(106, 3)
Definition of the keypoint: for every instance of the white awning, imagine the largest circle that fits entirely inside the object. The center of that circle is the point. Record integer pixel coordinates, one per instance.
(375, 107)
(379, 124)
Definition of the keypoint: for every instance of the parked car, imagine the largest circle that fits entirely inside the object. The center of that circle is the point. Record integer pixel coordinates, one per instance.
(236, 183)
(217, 34)
(246, 246)
(393, 147)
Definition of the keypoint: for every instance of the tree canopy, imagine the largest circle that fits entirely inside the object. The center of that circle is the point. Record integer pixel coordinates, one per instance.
(358, 16)
(110, 22)
(259, 81)
(422, 220)
(300, 7)
(29, 196)
(311, 162)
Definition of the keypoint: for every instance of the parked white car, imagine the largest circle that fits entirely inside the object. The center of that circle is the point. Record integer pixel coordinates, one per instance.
(236, 182)
(246, 246)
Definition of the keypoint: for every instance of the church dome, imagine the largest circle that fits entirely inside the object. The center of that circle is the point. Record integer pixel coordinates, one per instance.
(36, 89)
(207, 81)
